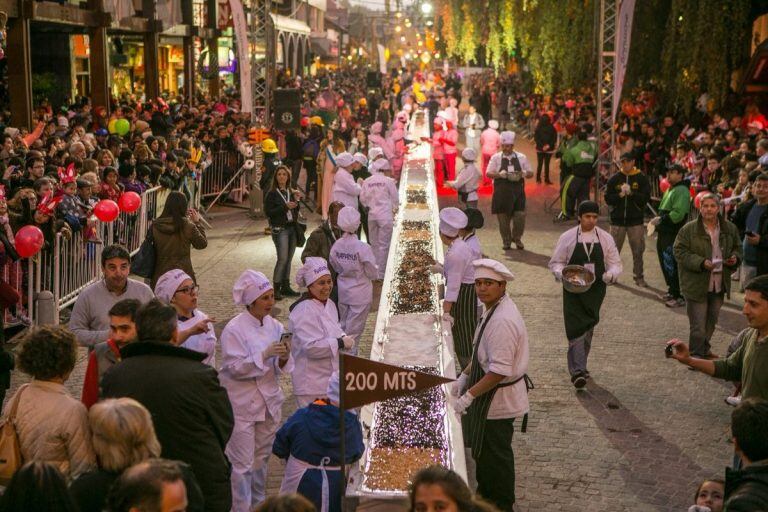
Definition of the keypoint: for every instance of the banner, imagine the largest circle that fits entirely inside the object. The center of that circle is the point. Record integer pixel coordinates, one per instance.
(382, 59)
(623, 38)
(365, 381)
(243, 57)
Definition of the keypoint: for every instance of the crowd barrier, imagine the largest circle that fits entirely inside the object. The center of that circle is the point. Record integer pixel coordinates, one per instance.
(224, 166)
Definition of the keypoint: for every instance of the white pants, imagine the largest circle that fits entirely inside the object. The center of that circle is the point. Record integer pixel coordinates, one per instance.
(248, 450)
(379, 235)
(352, 318)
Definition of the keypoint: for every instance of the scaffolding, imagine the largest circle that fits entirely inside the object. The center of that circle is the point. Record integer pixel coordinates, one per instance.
(606, 100)
(262, 52)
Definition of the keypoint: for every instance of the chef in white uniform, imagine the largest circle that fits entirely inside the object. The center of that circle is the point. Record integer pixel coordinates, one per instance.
(475, 221)
(178, 289)
(379, 195)
(253, 358)
(317, 333)
(460, 304)
(468, 180)
(355, 265)
(345, 189)
(493, 389)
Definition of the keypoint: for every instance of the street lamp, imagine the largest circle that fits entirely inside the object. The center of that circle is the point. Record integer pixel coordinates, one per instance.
(426, 8)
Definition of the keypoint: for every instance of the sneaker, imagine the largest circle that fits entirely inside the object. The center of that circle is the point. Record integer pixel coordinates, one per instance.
(675, 303)
(579, 381)
(667, 296)
(733, 401)
(639, 281)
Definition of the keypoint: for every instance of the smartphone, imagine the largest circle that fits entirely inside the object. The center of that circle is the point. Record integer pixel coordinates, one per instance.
(286, 338)
(669, 350)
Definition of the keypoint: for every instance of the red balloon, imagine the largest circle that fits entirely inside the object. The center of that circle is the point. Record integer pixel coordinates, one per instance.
(693, 192)
(340, 103)
(29, 240)
(106, 210)
(697, 199)
(664, 185)
(129, 202)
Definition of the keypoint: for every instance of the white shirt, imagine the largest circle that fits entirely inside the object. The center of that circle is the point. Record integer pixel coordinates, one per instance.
(504, 351)
(204, 342)
(458, 268)
(251, 382)
(467, 181)
(566, 244)
(344, 188)
(474, 244)
(315, 349)
(494, 166)
(379, 194)
(355, 263)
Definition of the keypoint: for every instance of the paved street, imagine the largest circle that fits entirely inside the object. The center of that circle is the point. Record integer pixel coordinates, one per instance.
(639, 438)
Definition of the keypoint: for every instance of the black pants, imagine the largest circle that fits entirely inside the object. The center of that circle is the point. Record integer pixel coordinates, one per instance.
(310, 165)
(295, 171)
(668, 264)
(495, 469)
(578, 192)
(542, 160)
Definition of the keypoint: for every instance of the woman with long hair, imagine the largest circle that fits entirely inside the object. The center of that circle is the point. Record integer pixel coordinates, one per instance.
(281, 206)
(175, 232)
(437, 489)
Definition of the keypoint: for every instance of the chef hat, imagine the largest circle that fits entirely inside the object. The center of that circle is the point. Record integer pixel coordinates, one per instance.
(588, 207)
(451, 221)
(507, 137)
(374, 153)
(487, 268)
(344, 160)
(349, 219)
(360, 158)
(494, 124)
(168, 284)
(377, 166)
(469, 155)
(250, 286)
(313, 269)
(333, 388)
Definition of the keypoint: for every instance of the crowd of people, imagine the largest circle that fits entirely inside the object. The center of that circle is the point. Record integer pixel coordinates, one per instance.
(174, 417)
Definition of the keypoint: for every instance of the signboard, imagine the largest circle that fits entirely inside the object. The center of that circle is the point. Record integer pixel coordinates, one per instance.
(364, 381)
(243, 58)
(623, 38)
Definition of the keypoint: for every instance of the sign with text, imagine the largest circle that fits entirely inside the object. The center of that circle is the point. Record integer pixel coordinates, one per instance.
(365, 381)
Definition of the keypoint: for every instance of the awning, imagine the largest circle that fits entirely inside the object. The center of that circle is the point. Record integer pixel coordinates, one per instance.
(292, 25)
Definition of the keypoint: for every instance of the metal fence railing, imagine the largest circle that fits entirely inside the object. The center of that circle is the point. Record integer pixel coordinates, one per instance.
(214, 179)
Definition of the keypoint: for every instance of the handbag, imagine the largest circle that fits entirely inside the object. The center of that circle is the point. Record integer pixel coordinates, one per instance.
(10, 449)
(300, 228)
(143, 262)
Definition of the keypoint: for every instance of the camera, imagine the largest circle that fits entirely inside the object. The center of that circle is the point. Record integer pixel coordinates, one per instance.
(669, 350)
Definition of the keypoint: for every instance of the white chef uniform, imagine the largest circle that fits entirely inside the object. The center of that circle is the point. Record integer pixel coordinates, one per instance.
(204, 342)
(379, 195)
(345, 189)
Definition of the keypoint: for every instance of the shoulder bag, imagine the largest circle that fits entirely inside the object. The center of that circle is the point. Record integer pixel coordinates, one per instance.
(143, 262)
(10, 449)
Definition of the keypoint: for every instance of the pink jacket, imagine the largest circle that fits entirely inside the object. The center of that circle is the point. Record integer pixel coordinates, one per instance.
(437, 147)
(489, 141)
(450, 138)
(396, 141)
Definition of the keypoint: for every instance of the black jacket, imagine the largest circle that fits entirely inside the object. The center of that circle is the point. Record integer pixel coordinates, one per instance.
(746, 490)
(190, 409)
(628, 210)
(276, 210)
(545, 134)
(740, 219)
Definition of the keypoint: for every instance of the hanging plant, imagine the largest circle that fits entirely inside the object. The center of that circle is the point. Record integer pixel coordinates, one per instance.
(468, 42)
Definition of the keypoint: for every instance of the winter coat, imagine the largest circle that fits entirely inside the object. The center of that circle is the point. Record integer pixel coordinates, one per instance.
(693, 246)
(545, 134)
(630, 209)
(172, 247)
(191, 411)
(747, 490)
(52, 426)
(674, 208)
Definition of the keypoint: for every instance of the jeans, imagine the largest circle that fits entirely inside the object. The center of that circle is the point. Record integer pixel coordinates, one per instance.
(285, 244)
(636, 235)
(542, 161)
(702, 317)
(578, 353)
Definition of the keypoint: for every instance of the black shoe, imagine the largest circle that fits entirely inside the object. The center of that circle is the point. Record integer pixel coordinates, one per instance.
(579, 380)
(278, 295)
(506, 247)
(548, 182)
(538, 180)
(288, 291)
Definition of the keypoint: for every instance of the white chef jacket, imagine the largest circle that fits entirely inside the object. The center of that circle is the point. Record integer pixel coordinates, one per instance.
(494, 165)
(566, 244)
(458, 269)
(355, 264)
(468, 180)
(344, 188)
(379, 194)
(315, 349)
(252, 383)
(474, 243)
(204, 342)
(504, 351)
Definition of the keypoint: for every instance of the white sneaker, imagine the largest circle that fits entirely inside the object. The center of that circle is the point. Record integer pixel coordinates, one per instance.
(733, 401)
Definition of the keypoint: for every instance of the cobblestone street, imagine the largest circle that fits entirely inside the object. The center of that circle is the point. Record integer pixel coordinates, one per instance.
(641, 436)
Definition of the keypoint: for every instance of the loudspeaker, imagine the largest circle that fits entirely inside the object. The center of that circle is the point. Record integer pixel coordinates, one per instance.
(287, 109)
(373, 80)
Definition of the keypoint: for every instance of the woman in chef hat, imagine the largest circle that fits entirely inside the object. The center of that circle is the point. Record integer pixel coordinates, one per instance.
(460, 304)
(255, 352)
(356, 267)
(178, 289)
(317, 334)
(345, 188)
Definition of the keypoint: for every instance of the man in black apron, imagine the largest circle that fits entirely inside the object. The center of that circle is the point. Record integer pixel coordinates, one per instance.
(594, 249)
(509, 168)
(495, 385)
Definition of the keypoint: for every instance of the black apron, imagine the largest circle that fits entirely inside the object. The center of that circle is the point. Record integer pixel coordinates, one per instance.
(473, 423)
(464, 312)
(582, 310)
(508, 196)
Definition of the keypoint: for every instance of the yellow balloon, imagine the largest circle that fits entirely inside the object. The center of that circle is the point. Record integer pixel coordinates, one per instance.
(112, 126)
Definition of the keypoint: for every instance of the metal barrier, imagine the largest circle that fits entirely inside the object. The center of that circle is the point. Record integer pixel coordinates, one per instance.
(130, 229)
(224, 165)
(14, 275)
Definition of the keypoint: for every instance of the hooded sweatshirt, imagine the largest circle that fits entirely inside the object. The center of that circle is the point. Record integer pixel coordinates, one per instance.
(630, 209)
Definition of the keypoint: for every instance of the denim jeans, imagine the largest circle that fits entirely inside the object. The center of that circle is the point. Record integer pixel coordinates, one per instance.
(702, 317)
(285, 244)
